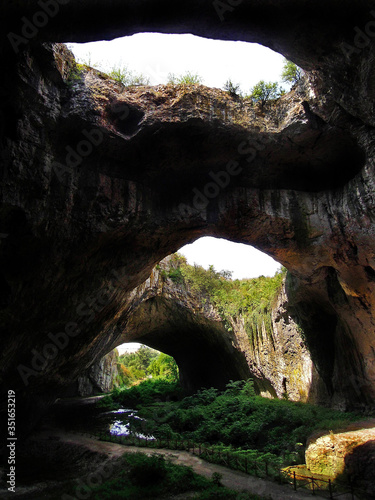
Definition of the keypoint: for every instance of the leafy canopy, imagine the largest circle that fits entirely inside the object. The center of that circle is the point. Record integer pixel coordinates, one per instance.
(264, 92)
(291, 72)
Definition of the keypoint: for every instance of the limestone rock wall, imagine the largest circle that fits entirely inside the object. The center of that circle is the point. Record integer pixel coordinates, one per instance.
(98, 182)
(283, 358)
(100, 377)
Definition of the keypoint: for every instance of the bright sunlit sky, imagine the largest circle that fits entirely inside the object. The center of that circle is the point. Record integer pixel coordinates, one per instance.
(155, 56)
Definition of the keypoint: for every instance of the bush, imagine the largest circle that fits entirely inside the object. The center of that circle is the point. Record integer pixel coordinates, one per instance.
(127, 77)
(146, 471)
(186, 79)
(146, 392)
(141, 476)
(232, 88)
(264, 92)
(291, 73)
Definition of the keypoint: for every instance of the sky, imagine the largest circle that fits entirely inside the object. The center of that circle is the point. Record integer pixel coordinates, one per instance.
(156, 56)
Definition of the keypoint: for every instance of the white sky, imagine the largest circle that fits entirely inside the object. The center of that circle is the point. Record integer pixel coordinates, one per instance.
(156, 55)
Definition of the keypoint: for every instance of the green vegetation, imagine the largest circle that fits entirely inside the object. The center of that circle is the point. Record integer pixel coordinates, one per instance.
(144, 362)
(146, 392)
(140, 476)
(252, 299)
(291, 73)
(234, 420)
(264, 92)
(125, 76)
(75, 74)
(164, 367)
(186, 79)
(233, 89)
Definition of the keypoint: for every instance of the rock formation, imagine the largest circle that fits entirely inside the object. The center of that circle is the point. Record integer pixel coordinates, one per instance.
(211, 350)
(350, 452)
(100, 377)
(99, 183)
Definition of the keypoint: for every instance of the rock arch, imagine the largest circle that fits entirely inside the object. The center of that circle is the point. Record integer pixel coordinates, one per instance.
(79, 233)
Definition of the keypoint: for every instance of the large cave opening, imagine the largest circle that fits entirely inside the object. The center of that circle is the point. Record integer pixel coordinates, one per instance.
(158, 57)
(182, 322)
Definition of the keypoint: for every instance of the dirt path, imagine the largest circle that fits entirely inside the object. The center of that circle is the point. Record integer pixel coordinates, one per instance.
(235, 480)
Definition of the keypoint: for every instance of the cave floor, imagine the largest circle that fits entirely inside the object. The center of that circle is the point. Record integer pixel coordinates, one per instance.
(55, 456)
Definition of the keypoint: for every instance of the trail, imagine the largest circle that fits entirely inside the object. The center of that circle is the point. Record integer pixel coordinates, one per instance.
(234, 480)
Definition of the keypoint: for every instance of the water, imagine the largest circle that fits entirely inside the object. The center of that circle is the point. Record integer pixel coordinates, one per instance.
(124, 426)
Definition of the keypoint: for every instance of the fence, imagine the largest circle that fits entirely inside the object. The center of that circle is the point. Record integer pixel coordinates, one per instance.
(241, 461)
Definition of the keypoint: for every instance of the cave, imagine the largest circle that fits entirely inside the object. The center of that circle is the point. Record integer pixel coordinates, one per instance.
(78, 237)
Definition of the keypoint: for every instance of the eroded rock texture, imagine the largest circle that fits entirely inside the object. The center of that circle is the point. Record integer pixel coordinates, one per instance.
(99, 183)
(211, 351)
(100, 377)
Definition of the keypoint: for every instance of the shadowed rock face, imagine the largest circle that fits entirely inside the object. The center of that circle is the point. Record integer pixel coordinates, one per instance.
(99, 183)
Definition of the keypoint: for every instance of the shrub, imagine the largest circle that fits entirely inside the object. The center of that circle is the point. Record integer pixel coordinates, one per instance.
(186, 79)
(291, 73)
(232, 88)
(264, 92)
(146, 471)
(127, 77)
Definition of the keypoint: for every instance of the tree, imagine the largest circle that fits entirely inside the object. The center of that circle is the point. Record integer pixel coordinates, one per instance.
(164, 366)
(233, 89)
(265, 91)
(291, 72)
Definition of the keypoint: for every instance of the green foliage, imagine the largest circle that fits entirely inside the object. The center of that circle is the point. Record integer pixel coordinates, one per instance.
(141, 476)
(147, 472)
(291, 73)
(146, 392)
(233, 89)
(252, 299)
(264, 92)
(76, 74)
(185, 79)
(133, 366)
(127, 77)
(234, 419)
(164, 366)
(176, 275)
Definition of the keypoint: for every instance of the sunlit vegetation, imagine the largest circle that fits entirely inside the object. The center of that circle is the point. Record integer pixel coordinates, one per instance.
(187, 78)
(145, 362)
(291, 73)
(263, 92)
(127, 77)
(252, 299)
(233, 419)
